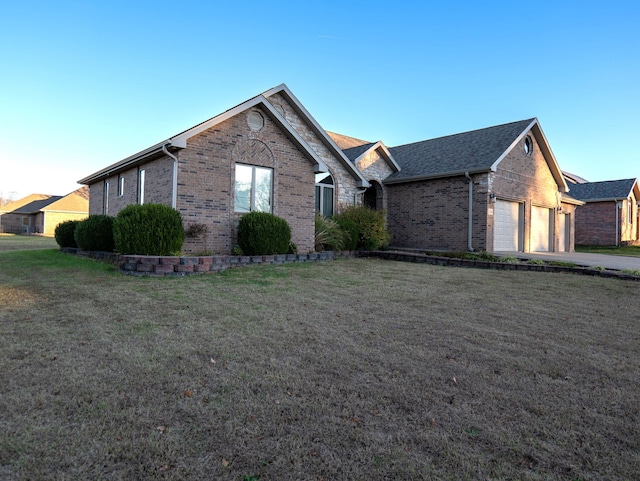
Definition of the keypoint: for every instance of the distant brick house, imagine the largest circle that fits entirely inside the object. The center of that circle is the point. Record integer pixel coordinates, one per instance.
(610, 213)
(270, 154)
(41, 214)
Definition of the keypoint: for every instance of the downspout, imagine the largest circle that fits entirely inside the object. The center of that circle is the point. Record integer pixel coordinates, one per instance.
(470, 230)
(356, 194)
(174, 195)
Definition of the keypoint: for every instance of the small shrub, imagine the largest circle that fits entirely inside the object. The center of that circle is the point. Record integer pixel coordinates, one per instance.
(536, 262)
(509, 260)
(598, 268)
(261, 233)
(65, 233)
(95, 233)
(562, 263)
(372, 230)
(329, 234)
(352, 233)
(632, 272)
(236, 251)
(196, 230)
(148, 229)
(293, 249)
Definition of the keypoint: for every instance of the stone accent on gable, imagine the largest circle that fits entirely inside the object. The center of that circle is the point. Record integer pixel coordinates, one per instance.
(346, 191)
(374, 167)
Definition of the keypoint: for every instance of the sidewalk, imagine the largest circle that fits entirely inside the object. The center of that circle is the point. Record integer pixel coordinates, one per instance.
(581, 259)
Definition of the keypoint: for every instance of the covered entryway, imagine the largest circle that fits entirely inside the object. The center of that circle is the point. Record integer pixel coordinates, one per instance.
(506, 230)
(541, 229)
(373, 196)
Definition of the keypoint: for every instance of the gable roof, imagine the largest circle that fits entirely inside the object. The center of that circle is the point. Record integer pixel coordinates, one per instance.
(356, 149)
(608, 190)
(345, 142)
(573, 178)
(76, 201)
(179, 141)
(473, 152)
(16, 204)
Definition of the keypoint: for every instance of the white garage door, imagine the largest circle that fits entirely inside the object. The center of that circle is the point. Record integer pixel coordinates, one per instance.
(506, 226)
(540, 230)
(562, 233)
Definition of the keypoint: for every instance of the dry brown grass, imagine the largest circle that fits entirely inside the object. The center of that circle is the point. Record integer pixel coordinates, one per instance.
(353, 369)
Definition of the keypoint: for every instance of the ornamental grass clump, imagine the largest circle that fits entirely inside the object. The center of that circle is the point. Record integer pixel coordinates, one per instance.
(329, 234)
(65, 233)
(262, 233)
(95, 233)
(148, 229)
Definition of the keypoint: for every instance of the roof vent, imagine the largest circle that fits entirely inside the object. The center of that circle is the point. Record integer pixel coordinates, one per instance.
(255, 120)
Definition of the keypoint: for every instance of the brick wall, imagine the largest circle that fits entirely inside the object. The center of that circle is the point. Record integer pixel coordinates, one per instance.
(206, 177)
(434, 214)
(596, 223)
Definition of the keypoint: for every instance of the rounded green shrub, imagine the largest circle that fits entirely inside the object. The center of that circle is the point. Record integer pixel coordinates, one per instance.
(352, 233)
(65, 233)
(261, 233)
(148, 229)
(95, 233)
(371, 224)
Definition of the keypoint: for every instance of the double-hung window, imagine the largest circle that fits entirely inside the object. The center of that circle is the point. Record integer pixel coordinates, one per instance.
(120, 186)
(253, 188)
(141, 176)
(105, 201)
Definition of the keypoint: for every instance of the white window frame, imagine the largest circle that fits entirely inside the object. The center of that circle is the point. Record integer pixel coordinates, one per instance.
(252, 189)
(324, 190)
(120, 186)
(105, 204)
(141, 181)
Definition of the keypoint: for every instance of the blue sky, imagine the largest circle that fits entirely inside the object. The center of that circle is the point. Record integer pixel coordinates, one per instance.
(84, 85)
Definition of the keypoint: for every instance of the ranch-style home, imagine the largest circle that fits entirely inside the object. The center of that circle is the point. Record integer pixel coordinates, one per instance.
(610, 215)
(41, 213)
(495, 189)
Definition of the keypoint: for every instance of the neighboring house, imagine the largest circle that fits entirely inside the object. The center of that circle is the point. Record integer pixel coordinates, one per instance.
(40, 213)
(505, 176)
(610, 213)
(494, 189)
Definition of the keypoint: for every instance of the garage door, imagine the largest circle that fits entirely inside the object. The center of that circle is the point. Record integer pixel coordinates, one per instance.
(540, 230)
(506, 226)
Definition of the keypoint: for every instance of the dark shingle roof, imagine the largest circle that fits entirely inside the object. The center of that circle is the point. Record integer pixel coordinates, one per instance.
(355, 152)
(609, 189)
(36, 205)
(469, 151)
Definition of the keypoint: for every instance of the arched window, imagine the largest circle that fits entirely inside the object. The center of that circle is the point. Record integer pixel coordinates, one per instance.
(324, 194)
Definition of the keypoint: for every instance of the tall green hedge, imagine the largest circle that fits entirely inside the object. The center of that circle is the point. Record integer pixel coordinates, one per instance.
(65, 233)
(148, 229)
(261, 233)
(95, 233)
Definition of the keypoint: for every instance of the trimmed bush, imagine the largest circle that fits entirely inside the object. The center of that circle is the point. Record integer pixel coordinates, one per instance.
(373, 232)
(65, 233)
(261, 233)
(352, 233)
(329, 235)
(95, 233)
(148, 229)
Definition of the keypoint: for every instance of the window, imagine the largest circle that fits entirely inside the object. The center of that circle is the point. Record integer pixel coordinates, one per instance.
(630, 209)
(253, 188)
(105, 203)
(120, 186)
(528, 145)
(141, 186)
(324, 194)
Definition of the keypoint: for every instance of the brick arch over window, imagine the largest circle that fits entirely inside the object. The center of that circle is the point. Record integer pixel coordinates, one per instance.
(253, 152)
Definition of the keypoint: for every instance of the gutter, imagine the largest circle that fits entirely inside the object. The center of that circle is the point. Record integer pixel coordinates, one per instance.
(470, 229)
(174, 193)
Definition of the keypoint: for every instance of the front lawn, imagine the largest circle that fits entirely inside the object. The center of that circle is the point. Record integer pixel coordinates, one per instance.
(12, 242)
(351, 369)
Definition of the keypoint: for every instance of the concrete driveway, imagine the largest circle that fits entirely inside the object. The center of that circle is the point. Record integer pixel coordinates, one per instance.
(603, 260)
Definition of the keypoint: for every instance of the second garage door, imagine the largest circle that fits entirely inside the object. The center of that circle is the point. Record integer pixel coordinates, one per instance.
(540, 229)
(506, 229)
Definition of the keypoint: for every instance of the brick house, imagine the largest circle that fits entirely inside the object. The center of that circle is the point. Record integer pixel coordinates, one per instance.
(266, 154)
(41, 213)
(506, 176)
(610, 213)
(270, 154)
